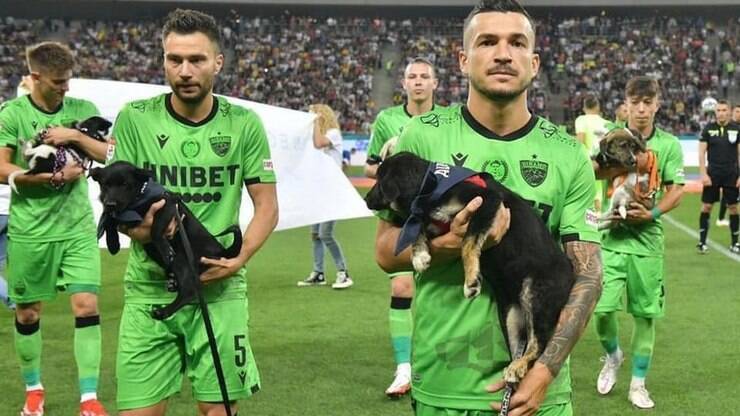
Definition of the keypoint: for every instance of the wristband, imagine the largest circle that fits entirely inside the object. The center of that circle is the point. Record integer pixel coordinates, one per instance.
(656, 213)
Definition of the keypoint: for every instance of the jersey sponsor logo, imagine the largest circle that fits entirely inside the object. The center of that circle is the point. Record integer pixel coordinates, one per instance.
(459, 159)
(162, 140)
(190, 149)
(533, 171)
(497, 168)
(267, 164)
(220, 144)
(732, 136)
(713, 133)
(194, 176)
(431, 119)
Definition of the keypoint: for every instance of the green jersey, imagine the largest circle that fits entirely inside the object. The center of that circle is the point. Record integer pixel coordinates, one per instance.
(40, 213)
(388, 124)
(206, 163)
(458, 344)
(646, 239)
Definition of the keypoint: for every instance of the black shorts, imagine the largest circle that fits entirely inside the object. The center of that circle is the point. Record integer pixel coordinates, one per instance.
(710, 194)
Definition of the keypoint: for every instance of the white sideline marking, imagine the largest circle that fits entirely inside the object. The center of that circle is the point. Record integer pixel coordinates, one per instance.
(714, 245)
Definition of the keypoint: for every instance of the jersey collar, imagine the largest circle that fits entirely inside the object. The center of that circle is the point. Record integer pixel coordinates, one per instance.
(183, 120)
(56, 110)
(406, 110)
(483, 131)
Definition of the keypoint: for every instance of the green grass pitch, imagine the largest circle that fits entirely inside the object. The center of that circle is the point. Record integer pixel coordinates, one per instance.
(325, 352)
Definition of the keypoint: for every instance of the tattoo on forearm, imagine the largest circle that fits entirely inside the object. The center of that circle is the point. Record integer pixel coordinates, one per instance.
(586, 259)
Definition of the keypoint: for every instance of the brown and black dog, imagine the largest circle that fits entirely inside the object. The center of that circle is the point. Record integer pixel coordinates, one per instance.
(529, 275)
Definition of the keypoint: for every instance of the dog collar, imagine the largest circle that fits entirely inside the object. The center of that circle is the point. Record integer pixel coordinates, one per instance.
(438, 179)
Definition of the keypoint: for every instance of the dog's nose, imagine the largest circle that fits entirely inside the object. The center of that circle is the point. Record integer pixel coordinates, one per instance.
(110, 205)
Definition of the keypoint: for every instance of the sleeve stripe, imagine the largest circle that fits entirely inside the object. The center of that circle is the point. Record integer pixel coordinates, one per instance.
(373, 160)
(252, 181)
(570, 237)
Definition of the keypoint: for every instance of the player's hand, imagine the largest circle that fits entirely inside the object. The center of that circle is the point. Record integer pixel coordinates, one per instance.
(528, 397)
(737, 184)
(143, 232)
(220, 268)
(67, 174)
(707, 181)
(637, 213)
(57, 136)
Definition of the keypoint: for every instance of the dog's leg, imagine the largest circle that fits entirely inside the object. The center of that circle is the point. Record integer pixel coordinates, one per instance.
(515, 329)
(420, 256)
(519, 367)
(481, 224)
(11, 179)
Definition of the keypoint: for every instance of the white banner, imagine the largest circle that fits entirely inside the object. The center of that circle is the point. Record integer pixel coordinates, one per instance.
(311, 188)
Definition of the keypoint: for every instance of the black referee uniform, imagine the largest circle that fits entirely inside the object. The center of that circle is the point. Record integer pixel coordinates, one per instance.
(722, 168)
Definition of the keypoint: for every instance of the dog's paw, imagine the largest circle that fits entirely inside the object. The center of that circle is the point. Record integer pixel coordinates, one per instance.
(421, 261)
(622, 211)
(516, 371)
(472, 290)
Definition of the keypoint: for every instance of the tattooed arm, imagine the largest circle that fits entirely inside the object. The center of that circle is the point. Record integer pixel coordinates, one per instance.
(586, 259)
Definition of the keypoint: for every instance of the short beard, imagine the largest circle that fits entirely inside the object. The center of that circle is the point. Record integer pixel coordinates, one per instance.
(205, 89)
(500, 96)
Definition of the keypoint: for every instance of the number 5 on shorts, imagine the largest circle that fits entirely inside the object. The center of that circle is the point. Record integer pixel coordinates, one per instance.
(240, 356)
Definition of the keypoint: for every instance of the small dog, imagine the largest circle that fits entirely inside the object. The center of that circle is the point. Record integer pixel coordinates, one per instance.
(529, 274)
(621, 147)
(127, 192)
(46, 158)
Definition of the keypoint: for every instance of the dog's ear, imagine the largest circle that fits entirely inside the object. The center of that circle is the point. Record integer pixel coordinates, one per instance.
(96, 174)
(389, 190)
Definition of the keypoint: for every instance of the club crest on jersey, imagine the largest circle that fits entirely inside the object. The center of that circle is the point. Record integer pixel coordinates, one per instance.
(220, 144)
(732, 136)
(190, 149)
(497, 168)
(534, 172)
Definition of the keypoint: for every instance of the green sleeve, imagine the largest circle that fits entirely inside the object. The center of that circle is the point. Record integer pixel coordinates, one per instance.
(673, 171)
(578, 220)
(257, 164)
(378, 137)
(124, 135)
(89, 110)
(8, 127)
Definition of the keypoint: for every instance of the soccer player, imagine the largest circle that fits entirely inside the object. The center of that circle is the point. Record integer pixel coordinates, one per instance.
(719, 147)
(53, 244)
(459, 347)
(721, 221)
(621, 115)
(419, 82)
(206, 150)
(633, 251)
(590, 128)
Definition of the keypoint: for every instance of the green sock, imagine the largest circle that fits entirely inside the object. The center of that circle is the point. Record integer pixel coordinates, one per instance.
(28, 349)
(643, 341)
(401, 327)
(87, 352)
(607, 329)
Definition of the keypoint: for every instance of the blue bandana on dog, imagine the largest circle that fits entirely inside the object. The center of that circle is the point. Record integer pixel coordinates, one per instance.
(150, 192)
(438, 179)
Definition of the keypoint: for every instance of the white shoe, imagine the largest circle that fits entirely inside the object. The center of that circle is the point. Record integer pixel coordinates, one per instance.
(722, 223)
(400, 386)
(343, 280)
(313, 279)
(640, 397)
(608, 375)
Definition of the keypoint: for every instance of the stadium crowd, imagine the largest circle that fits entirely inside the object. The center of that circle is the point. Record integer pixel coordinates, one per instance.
(292, 61)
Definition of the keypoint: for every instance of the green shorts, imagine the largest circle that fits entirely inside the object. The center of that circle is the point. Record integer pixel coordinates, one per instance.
(421, 409)
(643, 277)
(153, 355)
(38, 270)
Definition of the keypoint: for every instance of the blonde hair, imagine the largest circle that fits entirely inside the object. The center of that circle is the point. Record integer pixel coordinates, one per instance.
(327, 118)
(49, 56)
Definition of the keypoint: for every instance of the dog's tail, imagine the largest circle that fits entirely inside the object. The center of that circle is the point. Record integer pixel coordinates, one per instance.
(236, 246)
(11, 179)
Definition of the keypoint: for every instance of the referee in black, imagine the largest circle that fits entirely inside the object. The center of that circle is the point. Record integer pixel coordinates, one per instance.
(718, 145)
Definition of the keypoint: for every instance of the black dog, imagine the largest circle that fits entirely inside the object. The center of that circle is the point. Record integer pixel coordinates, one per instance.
(127, 192)
(529, 274)
(46, 158)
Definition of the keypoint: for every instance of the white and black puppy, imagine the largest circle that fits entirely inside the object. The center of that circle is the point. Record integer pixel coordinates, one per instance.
(127, 192)
(623, 147)
(46, 158)
(529, 275)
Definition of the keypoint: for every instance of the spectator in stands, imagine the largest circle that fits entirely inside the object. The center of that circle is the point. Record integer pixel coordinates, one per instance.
(327, 138)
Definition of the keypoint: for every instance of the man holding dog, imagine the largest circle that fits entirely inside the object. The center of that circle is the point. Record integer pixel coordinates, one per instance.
(214, 149)
(419, 83)
(459, 347)
(633, 250)
(53, 245)
(718, 166)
